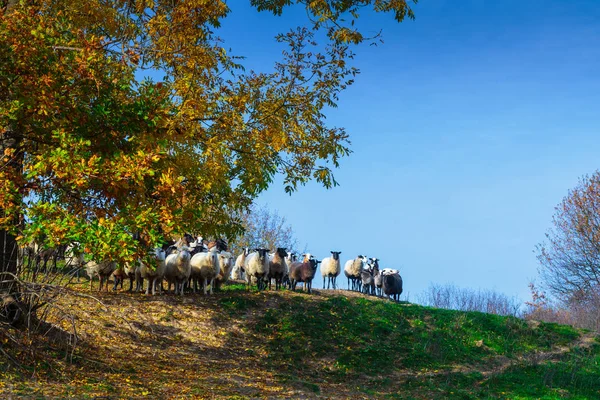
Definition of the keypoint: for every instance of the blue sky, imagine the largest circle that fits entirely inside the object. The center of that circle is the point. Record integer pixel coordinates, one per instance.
(468, 126)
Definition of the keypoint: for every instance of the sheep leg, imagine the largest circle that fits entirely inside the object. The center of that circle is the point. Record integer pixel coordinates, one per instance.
(212, 282)
(334, 282)
(150, 286)
(205, 285)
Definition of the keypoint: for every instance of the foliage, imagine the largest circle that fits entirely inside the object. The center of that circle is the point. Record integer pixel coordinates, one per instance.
(97, 155)
(225, 345)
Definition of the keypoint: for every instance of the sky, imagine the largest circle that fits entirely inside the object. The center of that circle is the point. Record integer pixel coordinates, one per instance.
(468, 126)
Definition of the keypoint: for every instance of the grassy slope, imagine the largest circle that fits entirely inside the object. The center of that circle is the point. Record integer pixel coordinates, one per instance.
(237, 344)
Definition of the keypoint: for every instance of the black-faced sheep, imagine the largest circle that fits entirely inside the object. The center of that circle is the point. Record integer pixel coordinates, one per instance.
(278, 267)
(330, 269)
(303, 272)
(392, 285)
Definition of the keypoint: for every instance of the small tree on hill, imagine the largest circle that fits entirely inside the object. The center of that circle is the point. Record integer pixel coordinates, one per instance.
(265, 228)
(570, 257)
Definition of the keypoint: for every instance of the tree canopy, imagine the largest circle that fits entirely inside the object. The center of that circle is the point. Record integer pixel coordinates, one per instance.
(90, 154)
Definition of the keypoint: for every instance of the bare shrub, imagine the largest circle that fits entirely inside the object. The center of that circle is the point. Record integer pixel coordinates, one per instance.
(582, 309)
(454, 298)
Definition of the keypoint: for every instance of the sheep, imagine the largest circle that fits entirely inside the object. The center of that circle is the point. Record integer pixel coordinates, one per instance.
(291, 257)
(238, 269)
(205, 267)
(257, 266)
(277, 267)
(303, 272)
(392, 285)
(220, 244)
(366, 277)
(178, 269)
(330, 269)
(153, 274)
(197, 246)
(225, 266)
(377, 276)
(389, 271)
(127, 271)
(74, 258)
(352, 270)
(103, 270)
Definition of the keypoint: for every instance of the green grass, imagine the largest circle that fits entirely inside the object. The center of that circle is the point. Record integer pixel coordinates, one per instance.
(350, 337)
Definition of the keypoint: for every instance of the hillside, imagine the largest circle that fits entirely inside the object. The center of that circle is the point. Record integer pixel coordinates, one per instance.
(239, 344)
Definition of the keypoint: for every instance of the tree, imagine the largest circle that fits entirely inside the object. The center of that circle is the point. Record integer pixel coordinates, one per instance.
(570, 257)
(265, 228)
(94, 156)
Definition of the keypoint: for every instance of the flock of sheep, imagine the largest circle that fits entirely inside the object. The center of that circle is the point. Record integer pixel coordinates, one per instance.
(191, 262)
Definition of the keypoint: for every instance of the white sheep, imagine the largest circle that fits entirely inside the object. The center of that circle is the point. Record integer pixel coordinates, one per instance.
(205, 267)
(178, 269)
(154, 274)
(352, 270)
(226, 265)
(257, 266)
(330, 269)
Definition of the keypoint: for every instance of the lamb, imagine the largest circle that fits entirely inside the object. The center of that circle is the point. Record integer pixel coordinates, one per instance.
(154, 274)
(352, 270)
(238, 269)
(178, 269)
(303, 272)
(103, 270)
(257, 266)
(330, 269)
(392, 285)
(225, 266)
(205, 267)
(277, 267)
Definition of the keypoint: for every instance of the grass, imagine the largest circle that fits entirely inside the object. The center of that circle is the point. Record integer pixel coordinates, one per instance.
(240, 344)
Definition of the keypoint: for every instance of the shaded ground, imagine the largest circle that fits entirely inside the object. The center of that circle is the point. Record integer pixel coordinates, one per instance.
(332, 344)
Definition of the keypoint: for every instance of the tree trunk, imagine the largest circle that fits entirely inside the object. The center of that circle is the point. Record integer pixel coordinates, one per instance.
(10, 309)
